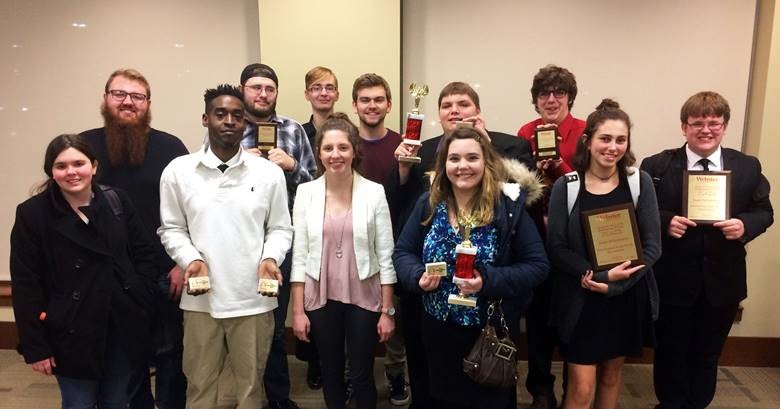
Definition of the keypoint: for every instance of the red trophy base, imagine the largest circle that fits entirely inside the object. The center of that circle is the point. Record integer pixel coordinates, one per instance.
(464, 270)
(412, 137)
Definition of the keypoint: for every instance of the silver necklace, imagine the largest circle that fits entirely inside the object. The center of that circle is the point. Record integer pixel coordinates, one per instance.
(340, 253)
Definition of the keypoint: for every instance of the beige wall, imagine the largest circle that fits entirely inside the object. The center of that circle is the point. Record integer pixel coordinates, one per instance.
(351, 37)
(761, 317)
(53, 73)
(648, 55)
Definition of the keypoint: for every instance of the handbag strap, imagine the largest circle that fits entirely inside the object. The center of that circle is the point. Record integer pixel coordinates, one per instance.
(496, 304)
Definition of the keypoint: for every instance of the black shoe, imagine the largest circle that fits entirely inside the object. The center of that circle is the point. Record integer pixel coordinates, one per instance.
(396, 388)
(349, 390)
(314, 376)
(544, 401)
(283, 404)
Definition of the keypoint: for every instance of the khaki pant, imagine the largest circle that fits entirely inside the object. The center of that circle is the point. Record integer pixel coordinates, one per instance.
(245, 341)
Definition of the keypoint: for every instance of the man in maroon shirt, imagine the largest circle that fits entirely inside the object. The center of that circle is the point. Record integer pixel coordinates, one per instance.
(552, 94)
(372, 101)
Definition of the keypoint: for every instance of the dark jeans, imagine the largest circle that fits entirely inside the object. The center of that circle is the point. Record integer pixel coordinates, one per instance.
(542, 339)
(690, 340)
(170, 383)
(331, 326)
(277, 374)
(113, 391)
(416, 359)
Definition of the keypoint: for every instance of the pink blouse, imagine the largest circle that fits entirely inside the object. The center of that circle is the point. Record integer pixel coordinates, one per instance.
(339, 279)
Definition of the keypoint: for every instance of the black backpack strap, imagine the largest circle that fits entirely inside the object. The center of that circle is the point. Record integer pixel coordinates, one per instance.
(113, 200)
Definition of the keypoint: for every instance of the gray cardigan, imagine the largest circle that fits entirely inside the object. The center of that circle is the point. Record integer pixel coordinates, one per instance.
(569, 256)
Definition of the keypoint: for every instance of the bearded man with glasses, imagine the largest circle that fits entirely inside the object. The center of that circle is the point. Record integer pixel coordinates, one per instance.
(132, 156)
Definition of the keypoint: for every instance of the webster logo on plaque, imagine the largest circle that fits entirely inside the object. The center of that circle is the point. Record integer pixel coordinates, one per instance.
(706, 196)
(612, 236)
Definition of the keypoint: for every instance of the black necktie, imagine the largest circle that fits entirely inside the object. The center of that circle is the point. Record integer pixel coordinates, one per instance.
(705, 163)
(222, 167)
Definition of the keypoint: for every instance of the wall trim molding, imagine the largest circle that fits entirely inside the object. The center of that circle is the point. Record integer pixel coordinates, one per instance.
(738, 351)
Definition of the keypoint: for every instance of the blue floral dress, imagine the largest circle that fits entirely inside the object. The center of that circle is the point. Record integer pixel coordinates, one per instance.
(439, 245)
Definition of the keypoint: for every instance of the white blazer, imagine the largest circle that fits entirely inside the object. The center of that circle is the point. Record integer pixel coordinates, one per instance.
(372, 230)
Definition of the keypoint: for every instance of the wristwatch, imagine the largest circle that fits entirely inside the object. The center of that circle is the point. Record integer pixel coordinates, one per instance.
(389, 311)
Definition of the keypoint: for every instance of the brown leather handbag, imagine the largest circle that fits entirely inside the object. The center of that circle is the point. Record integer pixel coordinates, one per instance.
(493, 359)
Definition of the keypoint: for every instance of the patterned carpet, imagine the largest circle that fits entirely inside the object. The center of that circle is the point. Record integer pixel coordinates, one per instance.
(738, 388)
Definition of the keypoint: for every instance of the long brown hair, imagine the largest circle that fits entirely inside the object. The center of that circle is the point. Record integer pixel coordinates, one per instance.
(487, 195)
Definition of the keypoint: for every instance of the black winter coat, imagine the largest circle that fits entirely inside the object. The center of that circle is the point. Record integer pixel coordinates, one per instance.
(84, 277)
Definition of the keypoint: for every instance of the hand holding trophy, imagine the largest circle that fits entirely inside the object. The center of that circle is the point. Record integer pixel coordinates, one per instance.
(465, 256)
(414, 121)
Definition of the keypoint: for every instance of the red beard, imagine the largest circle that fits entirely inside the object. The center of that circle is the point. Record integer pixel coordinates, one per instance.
(126, 142)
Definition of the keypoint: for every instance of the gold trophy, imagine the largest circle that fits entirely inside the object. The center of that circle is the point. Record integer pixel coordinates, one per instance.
(465, 256)
(414, 121)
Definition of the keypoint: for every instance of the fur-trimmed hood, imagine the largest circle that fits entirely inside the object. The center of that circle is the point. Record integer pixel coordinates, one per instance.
(518, 176)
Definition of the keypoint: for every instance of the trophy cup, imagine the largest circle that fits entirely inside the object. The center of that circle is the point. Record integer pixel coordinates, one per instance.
(465, 256)
(414, 121)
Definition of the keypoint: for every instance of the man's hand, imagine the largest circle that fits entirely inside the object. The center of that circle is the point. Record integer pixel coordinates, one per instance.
(732, 229)
(196, 268)
(44, 366)
(176, 277)
(678, 225)
(479, 125)
(254, 151)
(405, 167)
(281, 159)
(270, 271)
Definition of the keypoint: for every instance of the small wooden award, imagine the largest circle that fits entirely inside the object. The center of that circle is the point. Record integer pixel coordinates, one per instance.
(267, 135)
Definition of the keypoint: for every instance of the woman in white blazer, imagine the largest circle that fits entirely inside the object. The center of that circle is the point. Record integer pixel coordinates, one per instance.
(342, 275)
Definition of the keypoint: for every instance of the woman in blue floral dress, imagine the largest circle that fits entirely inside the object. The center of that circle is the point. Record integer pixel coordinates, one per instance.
(468, 179)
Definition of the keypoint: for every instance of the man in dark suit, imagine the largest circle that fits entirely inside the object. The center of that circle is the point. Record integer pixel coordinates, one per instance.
(458, 102)
(701, 274)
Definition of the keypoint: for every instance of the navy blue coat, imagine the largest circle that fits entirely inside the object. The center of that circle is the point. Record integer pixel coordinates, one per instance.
(520, 264)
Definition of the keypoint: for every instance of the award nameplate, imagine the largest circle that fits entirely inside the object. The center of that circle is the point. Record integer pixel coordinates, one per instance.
(414, 121)
(436, 269)
(546, 141)
(465, 257)
(612, 236)
(464, 124)
(267, 134)
(198, 285)
(268, 287)
(706, 196)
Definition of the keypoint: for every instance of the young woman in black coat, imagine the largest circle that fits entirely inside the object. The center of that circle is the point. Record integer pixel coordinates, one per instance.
(82, 266)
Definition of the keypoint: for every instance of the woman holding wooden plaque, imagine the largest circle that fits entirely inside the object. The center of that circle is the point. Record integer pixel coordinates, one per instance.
(469, 218)
(342, 274)
(603, 238)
